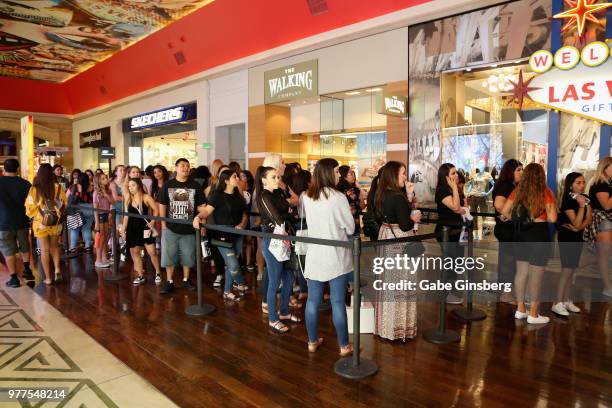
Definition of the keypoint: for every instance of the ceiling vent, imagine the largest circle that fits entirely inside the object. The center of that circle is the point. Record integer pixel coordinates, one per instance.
(317, 6)
(180, 58)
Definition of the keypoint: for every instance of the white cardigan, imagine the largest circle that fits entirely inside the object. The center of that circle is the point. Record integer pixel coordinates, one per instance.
(328, 218)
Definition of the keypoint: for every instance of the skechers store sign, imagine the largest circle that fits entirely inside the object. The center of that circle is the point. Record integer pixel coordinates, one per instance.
(292, 82)
(95, 138)
(159, 118)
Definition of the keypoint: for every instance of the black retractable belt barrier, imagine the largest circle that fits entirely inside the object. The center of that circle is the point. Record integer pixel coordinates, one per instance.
(441, 335)
(199, 309)
(115, 275)
(469, 313)
(356, 368)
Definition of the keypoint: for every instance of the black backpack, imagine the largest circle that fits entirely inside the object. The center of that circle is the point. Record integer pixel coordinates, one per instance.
(521, 218)
(371, 224)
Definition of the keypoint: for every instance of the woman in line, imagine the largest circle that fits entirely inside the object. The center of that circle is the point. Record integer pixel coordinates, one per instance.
(274, 210)
(116, 187)
(139, 232)
(574, 216)
(229, 208)
(75, 176)
(508, 179)
(396, 313)
(81, 194)
(102, 200)
(328, 216)
(356, 196)
(301, 182)
(218, 168)
(148, 178)
(246, 177)
(531, 206)
(46, 196)
(133, 172)
(600, 230)
(451, 206)
(160, 176)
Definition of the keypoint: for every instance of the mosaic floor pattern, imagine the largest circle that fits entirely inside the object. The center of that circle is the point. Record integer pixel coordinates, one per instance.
(41, 349)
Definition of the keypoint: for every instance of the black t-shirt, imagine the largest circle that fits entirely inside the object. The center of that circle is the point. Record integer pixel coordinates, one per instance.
(182, 200)
(396, 210)
(446, 216)
(503, 189)
(599, 187)
(229, 208)
(565, 234)
(275, 210)
(12, 203)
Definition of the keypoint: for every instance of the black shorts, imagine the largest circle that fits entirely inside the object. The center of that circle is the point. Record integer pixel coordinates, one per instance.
(534, 245)
(570, 247)
(103, 217)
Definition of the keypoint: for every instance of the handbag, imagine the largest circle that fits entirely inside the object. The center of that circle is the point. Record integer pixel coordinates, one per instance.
(521, 218)
(74, 221)
(411, 248)
(51, 211)
(280, 248)
(149, 232)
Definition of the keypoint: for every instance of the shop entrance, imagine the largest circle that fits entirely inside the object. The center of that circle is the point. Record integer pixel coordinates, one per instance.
(230, 144)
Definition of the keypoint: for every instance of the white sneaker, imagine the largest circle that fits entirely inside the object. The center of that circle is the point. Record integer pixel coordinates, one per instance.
(520, 315)
(102, 264)
(452, 299)
(560, 310)
(571, 307)
(607, 292)
(217, 281)
(158, 279)
(537, 320)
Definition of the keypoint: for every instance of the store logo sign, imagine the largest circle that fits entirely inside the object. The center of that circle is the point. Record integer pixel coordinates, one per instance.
(95, 138)
(394, 105)
(581, 84)
(291, 82)
(157, 118)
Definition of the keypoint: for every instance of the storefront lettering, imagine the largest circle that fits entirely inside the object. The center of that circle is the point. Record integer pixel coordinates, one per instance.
(156, 118)
(291, 80)
(592, 55)
(92, 138)
(392, 104)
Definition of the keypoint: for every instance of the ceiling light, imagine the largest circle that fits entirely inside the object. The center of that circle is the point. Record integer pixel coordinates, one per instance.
(352, 93)
(373, 89)
(468, 69)
(288, 104)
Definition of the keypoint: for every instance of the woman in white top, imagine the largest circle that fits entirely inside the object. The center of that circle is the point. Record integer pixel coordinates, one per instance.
(328, 216)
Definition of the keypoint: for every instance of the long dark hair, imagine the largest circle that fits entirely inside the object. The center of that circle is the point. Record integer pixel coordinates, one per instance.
(84, 182)
(250, 181)
(260, 174)
(301, 181)
(443, 172)
(569, 180)
(44, 183)
(165, 176)
(224, 179)
(343, 184)
(78, 172)
(506, 175)
(323, 177)
(388, 185)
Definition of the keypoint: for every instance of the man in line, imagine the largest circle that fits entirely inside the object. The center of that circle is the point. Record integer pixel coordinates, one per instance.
(179, 199)
(14, 224)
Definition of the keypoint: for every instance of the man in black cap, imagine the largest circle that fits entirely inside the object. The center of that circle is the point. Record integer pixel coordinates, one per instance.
(14, 224)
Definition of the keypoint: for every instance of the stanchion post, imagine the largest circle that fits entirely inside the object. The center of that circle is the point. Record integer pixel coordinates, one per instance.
(469, 313)
(441, 335)
(356, 368)
(200, 309)
(115, 275)
(67, 254)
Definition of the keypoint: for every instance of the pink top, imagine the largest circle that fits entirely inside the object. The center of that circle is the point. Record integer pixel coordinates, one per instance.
(102, 202)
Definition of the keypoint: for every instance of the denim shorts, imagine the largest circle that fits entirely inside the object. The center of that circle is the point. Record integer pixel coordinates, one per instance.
(12, 242)
(175, 246)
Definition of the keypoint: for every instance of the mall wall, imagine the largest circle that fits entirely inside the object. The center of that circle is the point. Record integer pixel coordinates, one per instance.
(374, 60)
(190, 92)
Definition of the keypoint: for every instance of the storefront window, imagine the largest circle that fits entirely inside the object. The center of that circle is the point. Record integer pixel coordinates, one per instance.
(163, 145)
(482, 125)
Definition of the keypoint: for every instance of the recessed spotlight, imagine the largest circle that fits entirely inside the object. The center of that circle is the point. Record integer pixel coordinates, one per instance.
(494, 65)
(468, 69)
(352, 93)
(288, 104)
(373, 89)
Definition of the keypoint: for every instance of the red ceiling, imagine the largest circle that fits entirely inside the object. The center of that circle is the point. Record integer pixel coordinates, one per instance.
(216, 34)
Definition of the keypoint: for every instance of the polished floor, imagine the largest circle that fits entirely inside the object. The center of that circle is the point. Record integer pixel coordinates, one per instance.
(229, 359)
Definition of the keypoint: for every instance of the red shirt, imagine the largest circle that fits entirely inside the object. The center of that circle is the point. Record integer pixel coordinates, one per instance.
(549, 198)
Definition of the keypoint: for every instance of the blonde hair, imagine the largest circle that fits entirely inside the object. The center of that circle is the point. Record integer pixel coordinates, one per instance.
(100, 189)
(273, 160)
(600, 174)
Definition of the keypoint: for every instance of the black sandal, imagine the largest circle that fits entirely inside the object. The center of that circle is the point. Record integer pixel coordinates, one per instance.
(278, 327)
(290, 317)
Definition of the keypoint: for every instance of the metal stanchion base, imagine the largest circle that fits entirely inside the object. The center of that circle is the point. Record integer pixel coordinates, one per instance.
(115, 278)
(473, 315)
(437, 337)
(344, 368)
(196, 310)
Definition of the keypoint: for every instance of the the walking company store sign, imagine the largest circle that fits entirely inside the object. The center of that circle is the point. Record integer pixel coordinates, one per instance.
(292, 82)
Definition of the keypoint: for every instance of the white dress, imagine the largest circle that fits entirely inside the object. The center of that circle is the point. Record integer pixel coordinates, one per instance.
(328, 218)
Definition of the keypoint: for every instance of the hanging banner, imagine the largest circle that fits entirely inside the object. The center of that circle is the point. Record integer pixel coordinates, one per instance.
(573, 81)
(27, 148)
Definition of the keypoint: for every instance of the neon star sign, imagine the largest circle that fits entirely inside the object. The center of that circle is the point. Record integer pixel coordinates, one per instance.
(580, 12)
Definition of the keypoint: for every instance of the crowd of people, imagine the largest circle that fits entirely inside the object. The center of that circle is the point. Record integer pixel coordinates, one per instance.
(284, 198)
